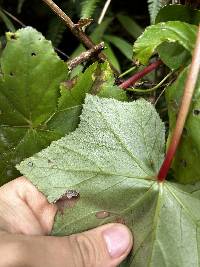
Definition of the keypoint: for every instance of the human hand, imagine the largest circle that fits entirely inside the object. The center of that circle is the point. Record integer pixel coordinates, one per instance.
(26, 218)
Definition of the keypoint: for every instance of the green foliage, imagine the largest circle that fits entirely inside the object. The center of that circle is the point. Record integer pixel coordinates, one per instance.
(155, 35)
(154, 7)
(88, 7)
(111, 160)
(173, 54)
(7, 21)
(20, 5)
(186, 163)
(121, 44)
(41, 111)
(178, 12)
(130, 25)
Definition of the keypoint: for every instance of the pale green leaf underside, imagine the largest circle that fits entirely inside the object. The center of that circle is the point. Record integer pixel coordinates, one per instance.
(111, 160)
(171, 31)
(114, 140)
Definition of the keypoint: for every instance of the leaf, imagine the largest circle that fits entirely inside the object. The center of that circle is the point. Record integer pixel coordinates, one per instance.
(29, 89)
(134, 29)
(154, 6)
(178, 12)
(34, 111)
(186, 163)
(20, 5)
(110, 162)
(121, 44)
(103, 85)
(88, 8)
(173, 54)
(111, 56)
(172, 31)
(7, 21)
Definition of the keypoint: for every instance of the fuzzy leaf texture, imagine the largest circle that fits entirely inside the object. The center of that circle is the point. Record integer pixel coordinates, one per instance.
(111, 160)
(171, 31)
(36, 105)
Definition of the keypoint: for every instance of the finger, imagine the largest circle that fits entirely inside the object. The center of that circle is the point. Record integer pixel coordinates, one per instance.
(105, 246)
(24, 209)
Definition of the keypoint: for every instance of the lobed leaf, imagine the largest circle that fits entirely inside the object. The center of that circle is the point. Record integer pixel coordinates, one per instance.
(35, 108)
(110, 161)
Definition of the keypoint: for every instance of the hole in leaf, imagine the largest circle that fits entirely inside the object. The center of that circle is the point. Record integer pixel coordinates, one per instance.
(102, 214)
(11, 73)
(30, 164)
(33, 54)
(13, 36)
(67, 200)
(183, 163)
(184, 131)
(196, 112)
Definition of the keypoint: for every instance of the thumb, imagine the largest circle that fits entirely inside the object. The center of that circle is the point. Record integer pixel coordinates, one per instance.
(105, 246)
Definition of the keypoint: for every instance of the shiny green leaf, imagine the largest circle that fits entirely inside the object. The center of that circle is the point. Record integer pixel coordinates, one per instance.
(155, 35)
(178, 12)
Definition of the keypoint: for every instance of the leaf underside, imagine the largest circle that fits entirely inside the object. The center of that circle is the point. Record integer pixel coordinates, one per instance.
(111, 161)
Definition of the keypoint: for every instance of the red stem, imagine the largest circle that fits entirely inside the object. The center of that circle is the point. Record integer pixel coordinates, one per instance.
(137, 76)
(183, 111)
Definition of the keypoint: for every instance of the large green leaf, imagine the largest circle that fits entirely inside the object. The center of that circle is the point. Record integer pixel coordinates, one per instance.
(173, 53)
(111, 161)
(178, 12)
(186, 163)
(155, 35)
(29, 88)
(34, 111)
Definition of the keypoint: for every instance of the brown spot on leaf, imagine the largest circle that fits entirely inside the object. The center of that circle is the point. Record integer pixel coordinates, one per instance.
(67, 200)
(120, 220)
(183, 163)
(69, 84)
(102, 214)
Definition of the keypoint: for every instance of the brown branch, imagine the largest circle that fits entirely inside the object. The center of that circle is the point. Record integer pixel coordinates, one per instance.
(76, 31)
(85, 56)
(137, 76)
(183, 111)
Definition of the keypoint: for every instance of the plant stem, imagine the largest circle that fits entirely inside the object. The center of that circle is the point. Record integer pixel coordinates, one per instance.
(84, 56)
(137, 76)
(127, 71)
(183, 111)
(103, 12)
(76, 31)
(146, 91)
